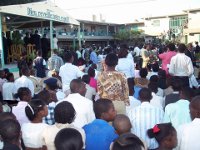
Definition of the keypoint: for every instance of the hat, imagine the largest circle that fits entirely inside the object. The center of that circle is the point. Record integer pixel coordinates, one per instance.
(51, 82)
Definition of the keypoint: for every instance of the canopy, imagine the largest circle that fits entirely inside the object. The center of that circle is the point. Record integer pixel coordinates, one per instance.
(40, 10)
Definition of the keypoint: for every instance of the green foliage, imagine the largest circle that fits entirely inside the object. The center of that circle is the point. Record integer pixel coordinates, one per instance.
(17, 38)
(13, 2)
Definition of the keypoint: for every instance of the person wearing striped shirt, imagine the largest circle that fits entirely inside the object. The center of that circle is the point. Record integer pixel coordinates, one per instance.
(144, 117)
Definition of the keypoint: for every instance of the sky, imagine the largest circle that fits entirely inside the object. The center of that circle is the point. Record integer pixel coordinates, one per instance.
(124, 11)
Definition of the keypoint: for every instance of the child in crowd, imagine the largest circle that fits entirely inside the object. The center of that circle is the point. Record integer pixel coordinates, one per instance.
(35, 111)
(127, 141)
(10, 132)
(165, 134)
(24, 95)
(93, 81)
(68, 138)
(122, 124)
(64, 115)
(104, 133)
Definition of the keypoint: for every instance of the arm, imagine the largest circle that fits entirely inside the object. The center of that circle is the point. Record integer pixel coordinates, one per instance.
(190, 68)
(172, 67)
(125, 91)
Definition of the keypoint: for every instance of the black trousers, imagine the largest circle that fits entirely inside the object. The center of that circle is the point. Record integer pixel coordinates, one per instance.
(184, 80)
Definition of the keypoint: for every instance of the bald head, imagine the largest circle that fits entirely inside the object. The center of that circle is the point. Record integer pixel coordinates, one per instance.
(195, 107)
(122, 124)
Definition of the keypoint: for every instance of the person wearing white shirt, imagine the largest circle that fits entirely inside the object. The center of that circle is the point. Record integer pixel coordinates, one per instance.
(68, 72)
(181, 65)
(24, 81)
(145, 117)
(55, 42)
(137, 51)
(156, 100)
(188, 134)
(82, 105)
(178, 113)
(8, 87)
(125, 65)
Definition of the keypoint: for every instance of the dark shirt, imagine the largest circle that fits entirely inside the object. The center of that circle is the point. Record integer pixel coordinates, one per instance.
(171, 98)
(40, 68)
(37, 41)
(9, 146)
(26, 40)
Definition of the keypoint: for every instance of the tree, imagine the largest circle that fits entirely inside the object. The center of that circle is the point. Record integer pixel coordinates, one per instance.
(13, 2)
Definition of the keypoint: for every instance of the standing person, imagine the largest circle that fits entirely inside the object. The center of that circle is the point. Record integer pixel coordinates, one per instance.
(5, 47)
(22, 63)
(197, 48)
(68, 72)
(144, 117)
(174, 112)
(125, 65)
(145, 55)
(35, 111)
(36, 40)
(27, 39)
(24, 81)
(112, 84)
(40, 65)
(137, 52)
(181, 66)
(55, 61)
(55, 42)
(8, 87)
(188, 134)
(93, 56)
(82, 105)
(24, 95)
(45, 46)
(165, 134)
(104, 134)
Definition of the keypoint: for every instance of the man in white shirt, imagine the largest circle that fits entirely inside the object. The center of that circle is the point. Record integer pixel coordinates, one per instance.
(181, 65)
(24, 81)
(82, 105)
(68, 72)
(188, 134)
(178, 113)
(7, 89)
(144, 117)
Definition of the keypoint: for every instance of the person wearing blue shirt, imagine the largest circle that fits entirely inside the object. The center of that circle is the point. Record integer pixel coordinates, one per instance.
(93, 56)
(99, 133)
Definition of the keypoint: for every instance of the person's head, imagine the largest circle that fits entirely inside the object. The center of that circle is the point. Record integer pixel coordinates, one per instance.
(39, 53)
(154, 79)
(55, 51)
(176, 84)
(47, 96)
(195, 107)
(2, 74)
(86, 78)
(36, 31)
(6, 70)
(91, 72)
(196, 43)
(155, 67)
(131, 83)
(165, 134)
(10, 130)
(7, 115)
(64, 113)
(153, 87)
(68, 139)
(143, 72)
(123, 52)
(182, 48)
(127, 141)
(111, 60)
(122, 124)
(24, 94)
(78, 86)
(104, 109)
(54, 35)
(51, 83)
(36, 110)
(145, 95)
(10, 77)
(171, 46)
(189, 46)
(25, 71)
(68, 57)
(186, 93)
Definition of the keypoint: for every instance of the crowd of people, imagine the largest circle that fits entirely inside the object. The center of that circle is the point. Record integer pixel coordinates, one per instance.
(103, 99)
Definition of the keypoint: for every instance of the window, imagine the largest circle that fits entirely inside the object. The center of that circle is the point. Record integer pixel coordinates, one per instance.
(156, 23)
